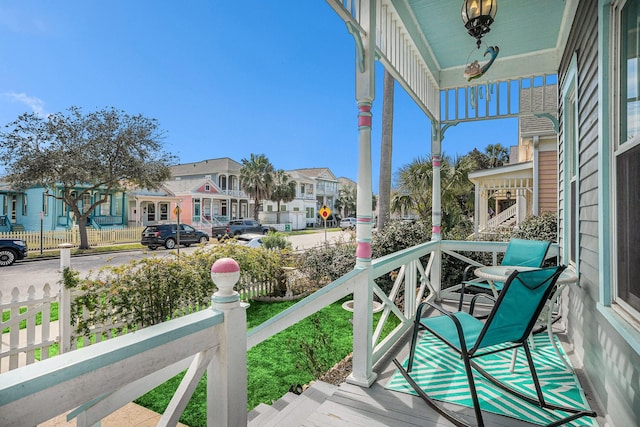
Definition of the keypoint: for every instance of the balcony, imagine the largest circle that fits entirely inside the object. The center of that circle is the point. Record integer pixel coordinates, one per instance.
(95, 381)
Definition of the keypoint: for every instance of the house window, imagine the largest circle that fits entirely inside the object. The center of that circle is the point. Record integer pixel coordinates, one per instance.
(570, 147)
(104, 209)
(310, 213)
(24, 204)
(86, 202)
(283, 208)
(207, 187)
(118, 204)
(196, 208)
(627, 162)
(164, 211)
(45, 204)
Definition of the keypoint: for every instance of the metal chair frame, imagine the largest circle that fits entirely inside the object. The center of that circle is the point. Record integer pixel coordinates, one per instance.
(509, 322)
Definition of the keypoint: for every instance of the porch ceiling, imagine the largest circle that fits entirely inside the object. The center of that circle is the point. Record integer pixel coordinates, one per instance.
(425, 46)
(530, 35)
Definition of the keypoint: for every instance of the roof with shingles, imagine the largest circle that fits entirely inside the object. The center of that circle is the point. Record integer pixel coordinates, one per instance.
(318, 173)
(187, 185)
(207, 167)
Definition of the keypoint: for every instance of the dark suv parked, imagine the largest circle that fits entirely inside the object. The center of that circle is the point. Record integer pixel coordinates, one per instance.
(12, 250)
(166, 235)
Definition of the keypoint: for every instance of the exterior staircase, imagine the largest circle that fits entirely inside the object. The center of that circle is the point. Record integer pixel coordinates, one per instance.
(17, 227)
(291, 409)
(504, 220)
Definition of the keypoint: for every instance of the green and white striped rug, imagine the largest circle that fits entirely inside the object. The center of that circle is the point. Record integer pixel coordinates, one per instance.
(441, 374)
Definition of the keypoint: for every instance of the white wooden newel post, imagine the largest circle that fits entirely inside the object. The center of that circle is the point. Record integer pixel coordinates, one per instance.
(227, 373)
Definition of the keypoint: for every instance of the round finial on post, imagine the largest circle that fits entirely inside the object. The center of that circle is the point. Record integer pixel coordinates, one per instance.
(225, 273)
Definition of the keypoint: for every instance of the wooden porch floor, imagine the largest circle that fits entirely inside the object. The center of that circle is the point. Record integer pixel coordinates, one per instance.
(349, 405)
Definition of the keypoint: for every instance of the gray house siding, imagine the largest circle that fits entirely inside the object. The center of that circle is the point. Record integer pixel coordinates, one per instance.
(612, 364)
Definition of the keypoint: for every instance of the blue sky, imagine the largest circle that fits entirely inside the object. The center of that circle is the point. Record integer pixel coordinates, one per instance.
(223, 80)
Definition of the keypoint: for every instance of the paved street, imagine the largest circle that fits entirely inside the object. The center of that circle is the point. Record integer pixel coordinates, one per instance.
(38, 272)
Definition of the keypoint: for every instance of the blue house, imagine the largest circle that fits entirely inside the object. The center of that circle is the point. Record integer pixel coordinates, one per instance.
(37, 209)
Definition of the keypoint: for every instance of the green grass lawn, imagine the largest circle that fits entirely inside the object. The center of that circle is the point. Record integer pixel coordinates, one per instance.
(277, 363)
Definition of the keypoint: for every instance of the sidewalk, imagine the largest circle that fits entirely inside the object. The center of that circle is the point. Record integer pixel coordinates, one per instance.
(130, 415)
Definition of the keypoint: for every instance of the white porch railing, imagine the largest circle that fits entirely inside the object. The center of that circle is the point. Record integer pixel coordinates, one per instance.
(104, 377)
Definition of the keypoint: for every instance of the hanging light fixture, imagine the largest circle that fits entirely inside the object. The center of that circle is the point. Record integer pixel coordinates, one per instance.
(478, 15)
(508, 195)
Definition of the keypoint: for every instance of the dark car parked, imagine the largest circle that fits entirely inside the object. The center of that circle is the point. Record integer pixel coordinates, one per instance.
(166, 235)
(12, 250)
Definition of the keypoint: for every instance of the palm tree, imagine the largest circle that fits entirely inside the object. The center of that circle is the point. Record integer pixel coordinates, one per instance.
(414, 181)
(386, 148)
(414, 191)
(256, 179)
(284, 190)
(347, 200)
(498, 155)
(401, 203)
(457, 190)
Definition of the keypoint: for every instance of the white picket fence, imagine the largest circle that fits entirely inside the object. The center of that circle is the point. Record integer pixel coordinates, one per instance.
(52, 239)
(20, 346)
(25, 340)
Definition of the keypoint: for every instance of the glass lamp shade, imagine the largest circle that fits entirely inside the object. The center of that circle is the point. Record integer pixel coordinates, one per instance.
(477, 16)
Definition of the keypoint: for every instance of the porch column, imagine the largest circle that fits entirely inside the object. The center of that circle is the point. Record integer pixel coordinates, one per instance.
(476, 210)
(362, 373)
(536, 177)
(521, 203)
(138, 212)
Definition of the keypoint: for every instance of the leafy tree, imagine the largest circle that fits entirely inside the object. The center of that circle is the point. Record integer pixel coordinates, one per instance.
(256, 178)
(84, 154)
(478, 159)
(284, 189)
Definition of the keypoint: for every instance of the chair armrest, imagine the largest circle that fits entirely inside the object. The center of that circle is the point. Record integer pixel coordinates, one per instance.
(451, 316)
(465, 273)
(472, 305)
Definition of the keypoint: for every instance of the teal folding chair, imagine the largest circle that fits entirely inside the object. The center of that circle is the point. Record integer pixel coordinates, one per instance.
(510, 322)
(520, 252)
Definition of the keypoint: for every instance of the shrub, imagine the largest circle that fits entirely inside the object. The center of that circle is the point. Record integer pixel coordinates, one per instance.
(275, 240)
(400, 234)
(543, 227)
(324, 264)
(152, 290)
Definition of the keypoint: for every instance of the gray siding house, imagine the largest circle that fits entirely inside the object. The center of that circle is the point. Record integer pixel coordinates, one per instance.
(599, 198)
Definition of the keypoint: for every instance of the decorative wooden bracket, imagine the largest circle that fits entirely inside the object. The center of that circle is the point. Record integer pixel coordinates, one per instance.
(554, 120)
(355, 32)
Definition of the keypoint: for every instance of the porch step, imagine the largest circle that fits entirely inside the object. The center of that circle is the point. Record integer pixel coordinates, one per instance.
(17, 227)
(291, 410)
